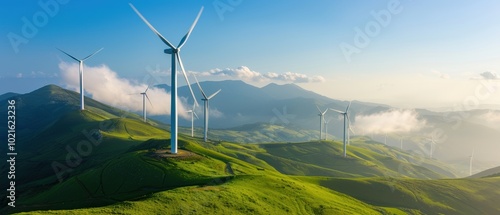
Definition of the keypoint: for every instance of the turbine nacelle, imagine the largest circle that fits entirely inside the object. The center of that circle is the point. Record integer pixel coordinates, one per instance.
(171, 51)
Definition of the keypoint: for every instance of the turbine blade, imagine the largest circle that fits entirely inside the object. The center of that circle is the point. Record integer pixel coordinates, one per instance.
(348, 106)
(178, 55)
(214, 94)
(184, 39)
(146, 89)
(196, 115)
(74, 58)
(152, 28)
(341, 112)
(319, 110)
(349, 124)
(148, 99)
(92, 54)
(199, 86)
(325, 112)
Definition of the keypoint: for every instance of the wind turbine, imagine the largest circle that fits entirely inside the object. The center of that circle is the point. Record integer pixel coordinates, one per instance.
(80, 62)
(326, 128)
(432, 143)
(144, 97)
(175, 55)
(206, 100)
(193, 114)
(321, 119)
(470, 162)
(347, 126)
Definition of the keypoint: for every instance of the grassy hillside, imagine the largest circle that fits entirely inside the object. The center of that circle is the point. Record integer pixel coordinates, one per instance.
(448, 196)
(252, 194)
(493, 172)
(258, 133)
(138, 180)
(118, 164)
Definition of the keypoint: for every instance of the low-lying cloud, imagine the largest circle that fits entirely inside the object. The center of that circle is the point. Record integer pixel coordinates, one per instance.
(245, 73)
(392, 121)
(105, 86)
(489, 75)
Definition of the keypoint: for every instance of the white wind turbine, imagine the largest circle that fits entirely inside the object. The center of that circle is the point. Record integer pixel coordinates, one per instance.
(470, 162)
(193, 114)
(80, 62)
(326, 128)
(431, 144)
(347, 127)
(206, 109)
(175, 53)
(321, 119)
(144, 97)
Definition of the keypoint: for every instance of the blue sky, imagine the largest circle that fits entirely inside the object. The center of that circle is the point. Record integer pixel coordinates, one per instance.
(428, 54)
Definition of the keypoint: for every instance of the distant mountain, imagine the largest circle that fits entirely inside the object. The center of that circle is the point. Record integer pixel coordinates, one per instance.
(240, 103)
(272, 111)
(7, 95)
(493, 172)
(39, 109)
(290, 91)
(290, 106)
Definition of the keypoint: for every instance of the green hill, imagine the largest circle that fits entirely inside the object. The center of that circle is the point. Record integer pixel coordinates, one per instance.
(448, 196)
(103, 160)
(493, 172)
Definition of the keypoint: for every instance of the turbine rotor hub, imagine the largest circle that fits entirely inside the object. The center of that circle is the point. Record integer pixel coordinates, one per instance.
(171, 51)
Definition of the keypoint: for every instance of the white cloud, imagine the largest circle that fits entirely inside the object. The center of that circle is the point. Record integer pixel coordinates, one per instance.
(294, 77)
(105, 86)
(245, 73)
(490, 119)
(392, 121)
(489, 75)
(215, 113)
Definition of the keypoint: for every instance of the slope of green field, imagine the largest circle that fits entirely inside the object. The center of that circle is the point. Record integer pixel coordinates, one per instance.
(325, 159)
(249, 194)
(119, 164)
(445, 196)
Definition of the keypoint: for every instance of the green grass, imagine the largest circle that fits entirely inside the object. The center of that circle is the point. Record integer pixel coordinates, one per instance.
(121, 175)
(446, 196)
(241, 195)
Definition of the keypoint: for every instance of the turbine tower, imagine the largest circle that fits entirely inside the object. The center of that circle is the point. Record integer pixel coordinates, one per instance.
(80, 62)
(175, 55)
(321, 119)
(470, 162)
(347, 127)
(326, 128)
(431, 143)
(206, 100)
(144, 97)
(193, 114)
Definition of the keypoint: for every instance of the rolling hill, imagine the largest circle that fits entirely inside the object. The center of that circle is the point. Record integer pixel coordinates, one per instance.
(104, 160)
(493, 172)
